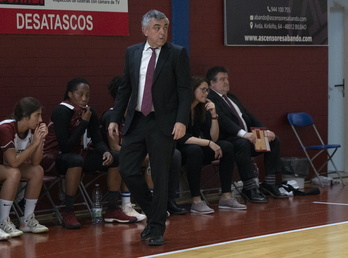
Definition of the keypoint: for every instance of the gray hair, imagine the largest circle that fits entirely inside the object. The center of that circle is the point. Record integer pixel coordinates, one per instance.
(152, 14)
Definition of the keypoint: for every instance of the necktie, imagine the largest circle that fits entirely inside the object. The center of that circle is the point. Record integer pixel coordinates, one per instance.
(147, 96)
(234, 111)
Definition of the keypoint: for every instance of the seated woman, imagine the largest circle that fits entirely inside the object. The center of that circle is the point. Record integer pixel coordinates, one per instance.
(21, 143)
(200, 146)
(75, 143)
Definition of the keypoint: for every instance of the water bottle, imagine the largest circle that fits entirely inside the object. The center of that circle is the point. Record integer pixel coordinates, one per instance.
(97, 205)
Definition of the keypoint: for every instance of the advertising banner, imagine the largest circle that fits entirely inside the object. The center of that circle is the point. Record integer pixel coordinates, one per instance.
(276, 22)
(72, 17)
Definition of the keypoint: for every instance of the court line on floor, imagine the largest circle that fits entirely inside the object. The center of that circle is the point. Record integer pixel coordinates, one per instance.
(332, 203)
(244, 239)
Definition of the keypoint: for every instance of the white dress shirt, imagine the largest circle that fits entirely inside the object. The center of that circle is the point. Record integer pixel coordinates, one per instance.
(241, 132)
(145, 59)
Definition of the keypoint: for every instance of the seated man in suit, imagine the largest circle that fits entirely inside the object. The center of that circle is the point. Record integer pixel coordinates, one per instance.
(235, 122)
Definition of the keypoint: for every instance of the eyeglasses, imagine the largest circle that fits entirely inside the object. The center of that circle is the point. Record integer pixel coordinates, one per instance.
(205, 90)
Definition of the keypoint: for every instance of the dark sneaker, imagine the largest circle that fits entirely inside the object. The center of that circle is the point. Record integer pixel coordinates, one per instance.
(70, 221)
(117, 215)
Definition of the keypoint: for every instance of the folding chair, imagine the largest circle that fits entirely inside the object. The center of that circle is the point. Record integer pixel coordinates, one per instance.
(302, 124)
(81, 192)
(47, 184)
(210, 179)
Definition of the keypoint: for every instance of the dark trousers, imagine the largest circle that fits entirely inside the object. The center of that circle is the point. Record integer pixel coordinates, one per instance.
(195, 156)
(174, 175)
(91, 163)
(144, 137)
(244, 150)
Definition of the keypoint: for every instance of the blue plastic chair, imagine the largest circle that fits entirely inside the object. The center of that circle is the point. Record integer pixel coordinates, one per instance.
(302, 119)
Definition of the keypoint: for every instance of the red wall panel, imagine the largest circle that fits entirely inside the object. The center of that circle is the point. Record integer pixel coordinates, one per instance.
(270, 81)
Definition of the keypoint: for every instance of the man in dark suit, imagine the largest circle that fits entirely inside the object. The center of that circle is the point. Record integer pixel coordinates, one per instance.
(156, 128)
(235, 122)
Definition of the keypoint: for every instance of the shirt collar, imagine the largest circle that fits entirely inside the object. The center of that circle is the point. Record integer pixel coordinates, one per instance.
(218, 93)
(147, 46)
(67, 105)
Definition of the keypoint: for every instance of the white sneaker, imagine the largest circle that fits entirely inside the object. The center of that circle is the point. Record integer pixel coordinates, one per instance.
(130, 211)
(8, 227)
(4, 235)
(30, 224)
(201, 207)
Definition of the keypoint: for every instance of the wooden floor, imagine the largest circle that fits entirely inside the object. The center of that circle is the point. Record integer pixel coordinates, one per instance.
(302, 226)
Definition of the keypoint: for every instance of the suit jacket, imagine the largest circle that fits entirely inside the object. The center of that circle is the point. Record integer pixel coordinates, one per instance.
(228, 122)
(171, 88)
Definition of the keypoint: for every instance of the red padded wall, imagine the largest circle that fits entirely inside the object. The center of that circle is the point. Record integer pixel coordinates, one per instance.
(270, 81)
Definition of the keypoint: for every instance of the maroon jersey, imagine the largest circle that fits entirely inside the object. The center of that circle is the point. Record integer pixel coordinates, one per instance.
(9, 139)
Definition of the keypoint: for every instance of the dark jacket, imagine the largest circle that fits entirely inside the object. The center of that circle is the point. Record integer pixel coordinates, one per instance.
(228, 122)
(171, 89)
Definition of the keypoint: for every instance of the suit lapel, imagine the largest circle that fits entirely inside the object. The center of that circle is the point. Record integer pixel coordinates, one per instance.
(161, 60)
(217, 96)
(137, 62)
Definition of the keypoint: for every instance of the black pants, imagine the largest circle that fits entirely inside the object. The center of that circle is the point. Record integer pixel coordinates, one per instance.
(244, 150)
(195, 156)
(144, 137)
(91, 163)
(174, 175)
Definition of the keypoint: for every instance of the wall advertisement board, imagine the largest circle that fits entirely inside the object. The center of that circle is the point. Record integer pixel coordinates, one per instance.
(276, 22)
(81, 17)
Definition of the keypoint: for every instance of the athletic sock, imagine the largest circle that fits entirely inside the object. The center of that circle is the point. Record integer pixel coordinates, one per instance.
(5, 208)
(29, 207)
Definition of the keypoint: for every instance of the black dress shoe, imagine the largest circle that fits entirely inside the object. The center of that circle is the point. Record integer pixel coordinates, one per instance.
(146, 232)
(173, 208)
(156, 239)
(254, 195)
(272, 190)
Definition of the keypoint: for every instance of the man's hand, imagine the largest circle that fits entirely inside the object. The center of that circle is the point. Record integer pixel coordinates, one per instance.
(113, 130)
(250, 136)
(270, 135)
(179, 130)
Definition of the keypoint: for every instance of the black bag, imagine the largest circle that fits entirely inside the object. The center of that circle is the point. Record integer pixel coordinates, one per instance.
(296, 192)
